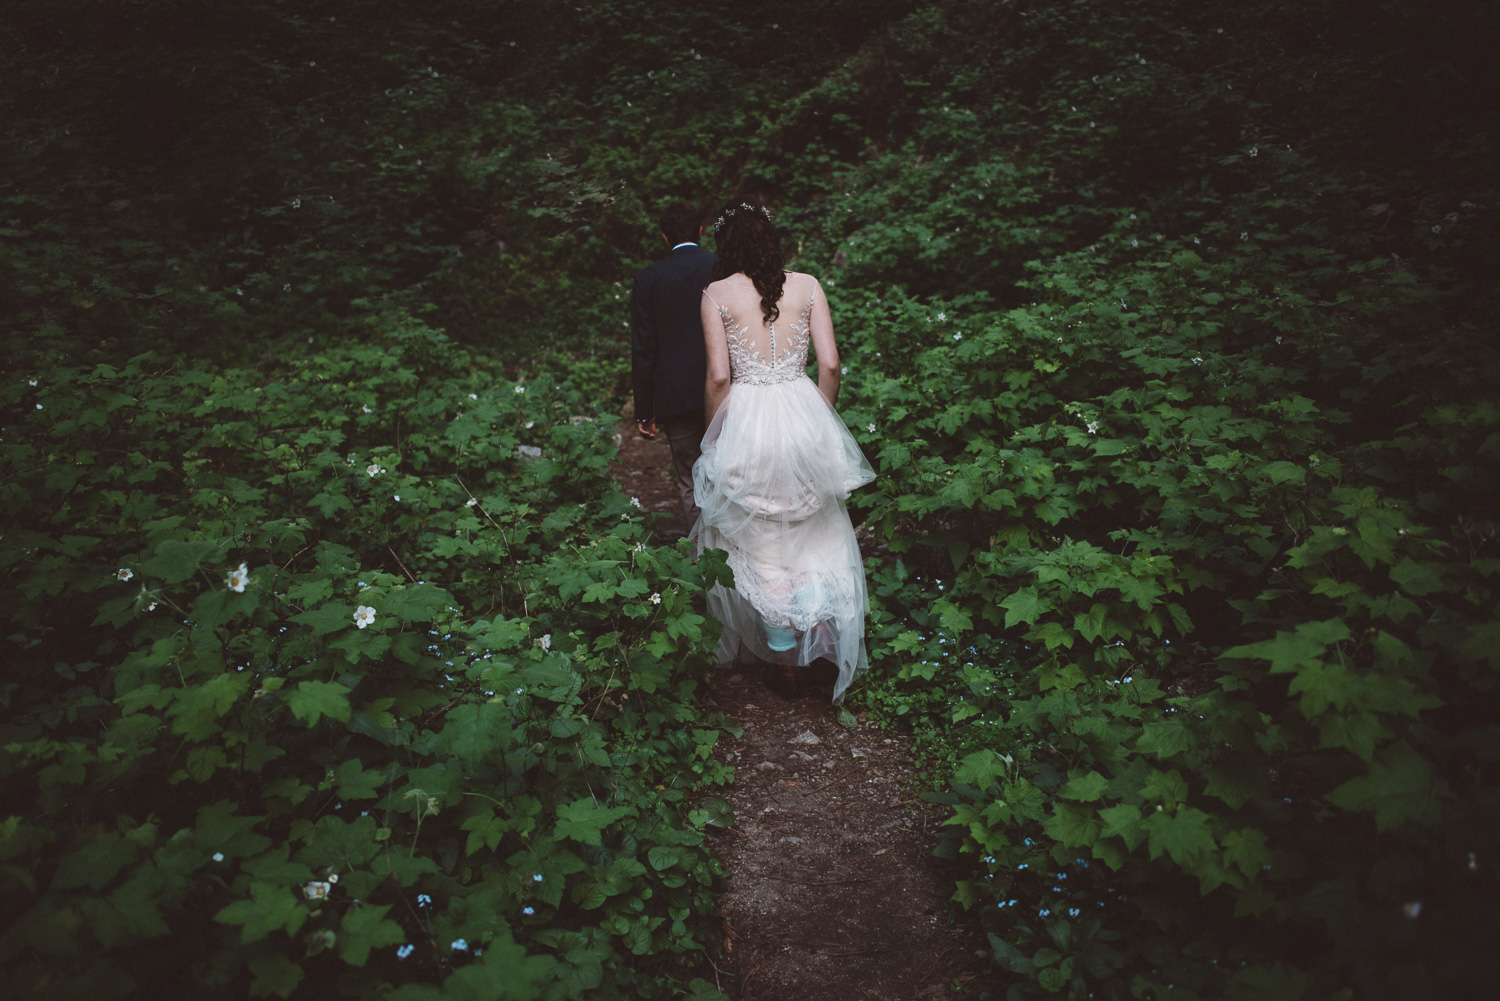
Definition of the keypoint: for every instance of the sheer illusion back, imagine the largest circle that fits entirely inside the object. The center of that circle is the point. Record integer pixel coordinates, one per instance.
(777, 466)
(759, 352)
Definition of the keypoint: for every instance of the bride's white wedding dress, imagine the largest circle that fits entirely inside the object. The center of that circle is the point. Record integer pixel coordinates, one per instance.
(777, 466)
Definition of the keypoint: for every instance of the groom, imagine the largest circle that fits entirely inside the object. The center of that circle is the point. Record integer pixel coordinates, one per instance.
(666, 341)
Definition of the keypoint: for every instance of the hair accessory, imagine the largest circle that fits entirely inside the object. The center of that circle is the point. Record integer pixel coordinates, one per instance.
(734, 210)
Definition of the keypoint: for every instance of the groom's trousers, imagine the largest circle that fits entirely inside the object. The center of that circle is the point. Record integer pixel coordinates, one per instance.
(685, 436)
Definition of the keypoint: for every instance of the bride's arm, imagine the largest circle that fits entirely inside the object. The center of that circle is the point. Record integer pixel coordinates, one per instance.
(716, 347)
(821, 324)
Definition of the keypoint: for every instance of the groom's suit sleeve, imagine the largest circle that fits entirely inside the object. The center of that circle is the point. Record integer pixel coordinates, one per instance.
(644, 345)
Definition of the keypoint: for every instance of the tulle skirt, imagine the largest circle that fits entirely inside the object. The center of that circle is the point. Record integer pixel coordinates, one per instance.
(777, 467)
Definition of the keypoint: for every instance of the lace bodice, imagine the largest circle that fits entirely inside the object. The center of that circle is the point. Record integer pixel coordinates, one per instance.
(788, 360)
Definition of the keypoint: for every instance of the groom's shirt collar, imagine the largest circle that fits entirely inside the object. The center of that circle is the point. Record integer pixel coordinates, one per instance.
(688, 243)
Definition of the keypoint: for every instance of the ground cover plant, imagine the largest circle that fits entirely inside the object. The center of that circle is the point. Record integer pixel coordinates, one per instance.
(1169, 332)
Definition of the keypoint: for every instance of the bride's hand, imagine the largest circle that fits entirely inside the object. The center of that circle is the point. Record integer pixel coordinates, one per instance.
(647, 428)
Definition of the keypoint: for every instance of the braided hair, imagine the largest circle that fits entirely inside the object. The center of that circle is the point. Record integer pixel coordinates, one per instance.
(746, 242)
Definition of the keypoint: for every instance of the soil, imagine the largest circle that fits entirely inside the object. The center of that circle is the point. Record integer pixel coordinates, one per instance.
(833, 890)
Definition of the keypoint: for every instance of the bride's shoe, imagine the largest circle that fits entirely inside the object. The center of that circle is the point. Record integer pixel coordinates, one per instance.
(780, 638)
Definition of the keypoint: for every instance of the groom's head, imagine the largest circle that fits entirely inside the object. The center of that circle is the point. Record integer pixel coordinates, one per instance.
(681, 223)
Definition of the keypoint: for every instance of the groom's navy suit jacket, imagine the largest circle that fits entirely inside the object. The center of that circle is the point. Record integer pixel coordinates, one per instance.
(666, 334)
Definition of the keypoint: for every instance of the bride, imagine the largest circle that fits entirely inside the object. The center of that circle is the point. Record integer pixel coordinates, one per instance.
(777, 461)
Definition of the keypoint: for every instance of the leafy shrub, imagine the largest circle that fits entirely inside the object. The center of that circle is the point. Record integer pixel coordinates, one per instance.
(389, 699)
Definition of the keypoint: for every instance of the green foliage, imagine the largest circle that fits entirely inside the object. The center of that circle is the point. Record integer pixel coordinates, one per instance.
(1191, 585)
(1165, 326)
(491, 773)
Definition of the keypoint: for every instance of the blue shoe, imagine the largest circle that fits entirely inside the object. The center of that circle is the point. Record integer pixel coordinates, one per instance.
(780, 638)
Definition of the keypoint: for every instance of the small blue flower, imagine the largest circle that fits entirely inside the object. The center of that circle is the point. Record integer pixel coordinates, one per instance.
(405, 950)
(1044, 912)
(528, 911)
(1027, 842)
(423, 900)
(1021, 866)
(460, 945)
(536, 877)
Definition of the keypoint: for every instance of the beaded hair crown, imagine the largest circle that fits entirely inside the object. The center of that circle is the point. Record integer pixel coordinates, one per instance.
(734, 210)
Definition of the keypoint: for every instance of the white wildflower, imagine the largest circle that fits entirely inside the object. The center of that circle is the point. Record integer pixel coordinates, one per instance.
(1197, 361)
(546, 641)
(1093, 427)
(1255, 151)
(31, 382)
(530, 425)
(473, 396)
(471, 502)
(870, 428)
(316, 890)
(363, 616)
(656, 597)
(237, 579)
(374, 469)
(367, 409)
(1435, 229)
(520, 389)
(635, 502)
(124, 573)
(958, 336)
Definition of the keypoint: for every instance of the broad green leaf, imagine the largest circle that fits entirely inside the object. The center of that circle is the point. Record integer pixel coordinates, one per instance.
(329, 618)
(312, 700)
(1399, 788)
(1124, 821)
(175, 561)
(1085, 788)
(584, 820)
(954, 619)
(1024, 606)
(274, 974)
(1072, 825)
(1182, 833)
(416, 602)
(474, 731)
(980, 769)
(364, 928)
(270, 908)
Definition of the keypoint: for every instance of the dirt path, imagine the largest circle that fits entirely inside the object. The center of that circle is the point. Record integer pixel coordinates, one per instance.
(833, 889)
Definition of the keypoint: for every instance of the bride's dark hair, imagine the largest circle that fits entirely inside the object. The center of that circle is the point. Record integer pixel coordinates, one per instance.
(746, 241)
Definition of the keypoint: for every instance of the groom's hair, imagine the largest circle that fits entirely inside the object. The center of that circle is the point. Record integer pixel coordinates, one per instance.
(680, 222)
